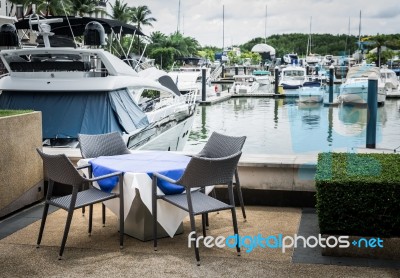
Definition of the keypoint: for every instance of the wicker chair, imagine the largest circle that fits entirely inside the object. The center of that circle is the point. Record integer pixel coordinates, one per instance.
(220, 145)
(200, 172)
(107, 144)
(60, 170)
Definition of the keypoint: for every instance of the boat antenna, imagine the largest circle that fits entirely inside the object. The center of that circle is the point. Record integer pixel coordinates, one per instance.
(69, 24)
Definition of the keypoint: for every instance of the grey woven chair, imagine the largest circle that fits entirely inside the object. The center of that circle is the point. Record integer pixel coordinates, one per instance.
(60, 170)
(200, 172)
(220, 145)
(107, 144)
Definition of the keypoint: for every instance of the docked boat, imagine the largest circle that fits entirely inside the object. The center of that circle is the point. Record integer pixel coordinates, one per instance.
(90, 91)
(263, 77)
(311, 92)
(291, 59)
(244, 84)
(355, 89)
(292, 77)
(390, 78)
(188, 76)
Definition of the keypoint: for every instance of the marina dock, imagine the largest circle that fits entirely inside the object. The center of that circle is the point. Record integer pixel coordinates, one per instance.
(226, 95)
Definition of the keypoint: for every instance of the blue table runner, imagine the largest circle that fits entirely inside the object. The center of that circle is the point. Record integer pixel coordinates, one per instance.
(166, 163)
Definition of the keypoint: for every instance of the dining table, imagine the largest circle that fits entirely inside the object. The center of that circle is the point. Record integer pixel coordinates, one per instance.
(137, 169)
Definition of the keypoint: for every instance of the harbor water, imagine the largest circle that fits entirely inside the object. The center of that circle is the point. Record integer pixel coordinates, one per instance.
(285, 126)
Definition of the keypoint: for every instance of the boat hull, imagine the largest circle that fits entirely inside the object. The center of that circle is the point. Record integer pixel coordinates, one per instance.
(311, 94)
(358, 94)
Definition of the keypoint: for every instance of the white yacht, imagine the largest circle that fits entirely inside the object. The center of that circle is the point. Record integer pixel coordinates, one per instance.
(355, 89)
(263, 77)
(292, 77)
(91, 91)
(244, 84)
(188, 77)
(390, 78)
(312, 91)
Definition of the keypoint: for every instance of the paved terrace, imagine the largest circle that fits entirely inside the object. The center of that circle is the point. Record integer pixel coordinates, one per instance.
(100, 256)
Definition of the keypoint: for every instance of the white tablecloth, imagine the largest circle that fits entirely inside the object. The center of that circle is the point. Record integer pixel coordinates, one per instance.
(169, 216)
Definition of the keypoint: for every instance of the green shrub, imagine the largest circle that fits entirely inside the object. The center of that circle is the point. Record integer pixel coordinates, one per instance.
(358, 194)
(5, 113)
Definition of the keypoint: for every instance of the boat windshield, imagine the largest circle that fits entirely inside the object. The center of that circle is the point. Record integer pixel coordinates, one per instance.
(294, 73)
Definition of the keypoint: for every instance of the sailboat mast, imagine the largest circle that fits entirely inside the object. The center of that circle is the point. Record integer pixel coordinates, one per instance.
(359, 32)
(310, 34)
(348, 35)
(179, 17)
(308, 51)
(265, 27)
(223, 27)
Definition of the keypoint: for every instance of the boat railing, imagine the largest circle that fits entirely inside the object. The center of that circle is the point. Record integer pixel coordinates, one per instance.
(216, 72)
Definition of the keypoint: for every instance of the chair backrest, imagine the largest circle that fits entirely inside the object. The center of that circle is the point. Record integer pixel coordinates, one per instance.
(203, 171)
(107, 144)
(60, 169)
(220, 145)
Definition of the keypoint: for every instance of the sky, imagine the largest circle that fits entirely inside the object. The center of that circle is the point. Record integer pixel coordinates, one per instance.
(248, 19)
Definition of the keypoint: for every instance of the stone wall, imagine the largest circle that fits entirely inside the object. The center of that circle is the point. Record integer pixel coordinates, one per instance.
(21, 168)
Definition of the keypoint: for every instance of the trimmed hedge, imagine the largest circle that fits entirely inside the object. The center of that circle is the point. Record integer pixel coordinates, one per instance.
(5, 113)
(358, 194)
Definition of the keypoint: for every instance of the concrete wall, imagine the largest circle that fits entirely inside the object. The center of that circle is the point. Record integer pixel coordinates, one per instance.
(278, 172)
(21, 168)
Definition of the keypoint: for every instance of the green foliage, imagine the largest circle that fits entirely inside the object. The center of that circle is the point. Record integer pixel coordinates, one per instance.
(5, 113)
(168, 48)
(358, 194)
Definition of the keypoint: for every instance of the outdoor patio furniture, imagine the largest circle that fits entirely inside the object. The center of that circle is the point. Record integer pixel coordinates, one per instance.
(61, 172)
(107, 144)
(199, 173)
(220, 145)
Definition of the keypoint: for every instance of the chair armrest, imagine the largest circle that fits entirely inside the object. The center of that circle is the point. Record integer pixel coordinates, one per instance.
(158, 175)
(105, 176)
(83, 166)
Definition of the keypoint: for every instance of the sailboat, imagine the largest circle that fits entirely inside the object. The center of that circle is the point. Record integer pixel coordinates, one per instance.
(358, 54)
(311, 58)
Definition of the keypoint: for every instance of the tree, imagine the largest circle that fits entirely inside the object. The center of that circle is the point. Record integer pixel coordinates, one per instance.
(52, 7)
(120, 11)
(141, 17)
(82, 7)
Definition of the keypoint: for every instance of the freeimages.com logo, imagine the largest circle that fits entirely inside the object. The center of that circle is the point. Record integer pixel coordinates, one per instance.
(249, 243)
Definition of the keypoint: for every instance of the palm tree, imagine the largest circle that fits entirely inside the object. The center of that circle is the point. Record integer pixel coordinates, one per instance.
(52, 7)
(141, 17)
(120, 11)
(45, 7)
(82, 7)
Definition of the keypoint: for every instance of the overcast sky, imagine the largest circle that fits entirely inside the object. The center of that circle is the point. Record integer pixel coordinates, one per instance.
(246, 19)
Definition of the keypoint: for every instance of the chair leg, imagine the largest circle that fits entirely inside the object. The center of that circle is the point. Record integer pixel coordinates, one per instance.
(203, 222)
(235, 229)
(196, 248)
(66, 231)
(83, 211)
(121, 212)
(103, 214)
(207, 222)
(154, 210)
(90, 219)
(239, 193)
(44, 217)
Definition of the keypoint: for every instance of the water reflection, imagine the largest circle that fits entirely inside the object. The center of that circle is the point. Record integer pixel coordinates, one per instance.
(283, 126)
(311, 114)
